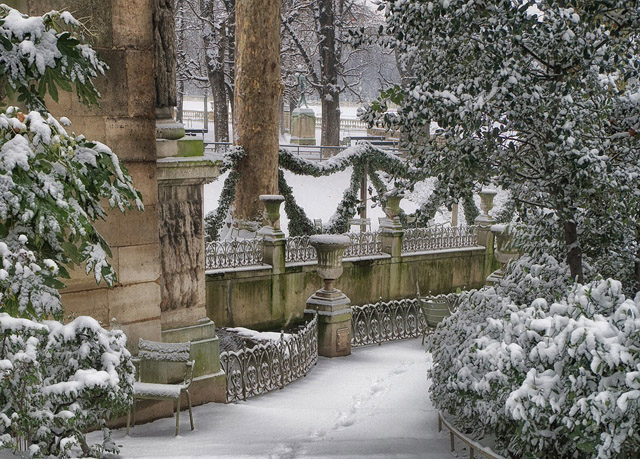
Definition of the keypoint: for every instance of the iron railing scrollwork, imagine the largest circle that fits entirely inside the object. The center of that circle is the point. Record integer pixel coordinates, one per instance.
(234, 253)
(364, 244)
(438, 238)
(298, 249)
(270, 366)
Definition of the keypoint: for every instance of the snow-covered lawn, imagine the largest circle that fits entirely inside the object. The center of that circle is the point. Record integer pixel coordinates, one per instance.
(372, 404)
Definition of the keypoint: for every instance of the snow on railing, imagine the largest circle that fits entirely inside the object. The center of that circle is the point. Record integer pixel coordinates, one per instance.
(438, 238)
(270, 366)
(298, 249)
(234, 253)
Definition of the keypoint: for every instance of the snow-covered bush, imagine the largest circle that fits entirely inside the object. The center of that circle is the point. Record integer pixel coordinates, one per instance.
(557, 376)
(59, 380)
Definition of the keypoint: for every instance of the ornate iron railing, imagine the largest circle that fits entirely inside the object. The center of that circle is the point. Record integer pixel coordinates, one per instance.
(363, 244)
(233, 253)
(437, 238)
(270, 366)
(386, 321)
(298, 249)
(396, 319)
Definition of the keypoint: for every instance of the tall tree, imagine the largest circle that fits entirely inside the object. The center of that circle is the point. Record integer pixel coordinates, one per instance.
(256, 101)
(529, 94)
(329, 90)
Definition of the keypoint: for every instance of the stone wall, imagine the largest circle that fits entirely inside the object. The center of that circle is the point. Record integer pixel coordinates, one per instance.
(122, 34)
(259, 299)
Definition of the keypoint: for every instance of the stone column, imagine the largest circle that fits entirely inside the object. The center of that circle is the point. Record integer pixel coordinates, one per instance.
(332, 306)
(391, 227)
(274, 238)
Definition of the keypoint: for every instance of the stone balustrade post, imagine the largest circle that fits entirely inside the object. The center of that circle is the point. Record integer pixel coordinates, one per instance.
(391, 227)
(484, 220)
(274, 238)
(332, 306)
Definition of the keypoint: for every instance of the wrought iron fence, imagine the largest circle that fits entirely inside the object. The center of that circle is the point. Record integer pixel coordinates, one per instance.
(386, 321)
(363, 244)
(298, 249)
(270, 366)
(436, 238)
(234, 253)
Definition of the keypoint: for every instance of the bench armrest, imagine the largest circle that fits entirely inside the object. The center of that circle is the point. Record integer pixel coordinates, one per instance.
(188, 373)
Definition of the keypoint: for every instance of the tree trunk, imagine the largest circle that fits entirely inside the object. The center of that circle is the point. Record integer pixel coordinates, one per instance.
(164, 30)
(215, 46)
(574, 252)
(329, 93)
(637, 262)
(256, 96)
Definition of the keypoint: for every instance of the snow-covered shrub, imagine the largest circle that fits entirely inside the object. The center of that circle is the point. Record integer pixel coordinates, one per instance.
(557, 376)
(57, 381)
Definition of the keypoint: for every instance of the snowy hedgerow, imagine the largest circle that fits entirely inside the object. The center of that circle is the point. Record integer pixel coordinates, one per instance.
(57, 381)
(552, 377)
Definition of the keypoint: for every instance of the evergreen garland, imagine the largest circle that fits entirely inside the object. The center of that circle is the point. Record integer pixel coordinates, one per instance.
(470, 209)
(299, 223)
(361, 157)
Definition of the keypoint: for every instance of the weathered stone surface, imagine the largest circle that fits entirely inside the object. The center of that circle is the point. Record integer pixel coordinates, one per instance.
(132, 139)
(135, 303)
(132, 228)
(303, 126)
(138, 263)
(94, 303)
(81, 281)
(181, 245)
(130, 28)
(144, 179)
(140, 76)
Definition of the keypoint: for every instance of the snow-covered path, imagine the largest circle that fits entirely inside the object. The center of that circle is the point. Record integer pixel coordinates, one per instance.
(372, 404)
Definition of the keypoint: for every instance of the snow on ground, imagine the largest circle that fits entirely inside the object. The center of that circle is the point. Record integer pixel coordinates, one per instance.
(372, 404)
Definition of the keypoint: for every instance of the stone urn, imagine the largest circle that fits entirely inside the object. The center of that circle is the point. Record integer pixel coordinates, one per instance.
(330, 249)
(272, 209)
(486, 204)
(504, 252)
(392, 206)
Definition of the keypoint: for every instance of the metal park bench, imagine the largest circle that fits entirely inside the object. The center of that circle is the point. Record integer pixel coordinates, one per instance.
(154, 354)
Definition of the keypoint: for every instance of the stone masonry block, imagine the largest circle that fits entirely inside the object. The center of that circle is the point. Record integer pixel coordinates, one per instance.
(132, 26)
(132, 228)
(138, 263)
(94, 303)
(132, 139)
(92, 127)
(95, 15)
(112, 86)
(141, 84)
(80, 280)
(144, 179)
(135, 303)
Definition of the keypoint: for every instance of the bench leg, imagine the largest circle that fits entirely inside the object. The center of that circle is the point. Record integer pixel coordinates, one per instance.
(190, 413)
(131, 416)
(128, 421)
(178, 415)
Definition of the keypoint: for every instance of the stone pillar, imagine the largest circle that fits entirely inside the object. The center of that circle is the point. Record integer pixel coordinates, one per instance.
(332, 306)
(391, 227)
(303, 126)
(274, 238)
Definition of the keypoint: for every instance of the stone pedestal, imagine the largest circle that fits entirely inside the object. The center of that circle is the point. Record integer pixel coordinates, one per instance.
(504, 252)
(332, 306)
(391, 227)
(274, 238)
(303, 126)
(484, 220)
